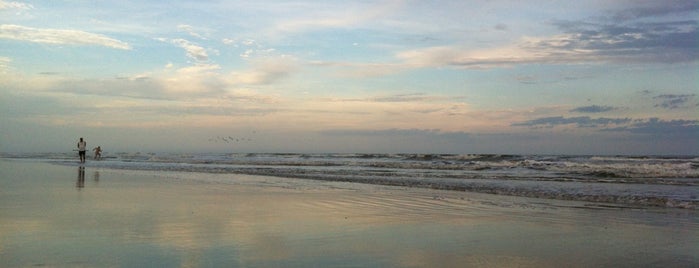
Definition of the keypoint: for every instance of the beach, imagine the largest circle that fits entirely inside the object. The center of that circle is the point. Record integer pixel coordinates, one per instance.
(92, 216)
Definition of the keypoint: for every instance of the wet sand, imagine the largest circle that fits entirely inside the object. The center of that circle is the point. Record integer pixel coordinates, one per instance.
(67, 216)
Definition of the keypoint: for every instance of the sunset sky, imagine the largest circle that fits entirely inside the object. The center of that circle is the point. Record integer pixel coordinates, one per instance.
(520, 77)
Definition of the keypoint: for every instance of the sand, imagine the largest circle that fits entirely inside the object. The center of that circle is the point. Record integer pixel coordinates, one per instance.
(67, 216)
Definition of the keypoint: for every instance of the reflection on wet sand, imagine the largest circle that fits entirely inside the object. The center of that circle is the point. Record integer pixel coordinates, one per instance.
(80, 183)
(141, 219)
(81, 178)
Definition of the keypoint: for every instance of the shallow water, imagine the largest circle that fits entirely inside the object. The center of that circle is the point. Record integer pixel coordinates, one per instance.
(66, 216)
(640, 181)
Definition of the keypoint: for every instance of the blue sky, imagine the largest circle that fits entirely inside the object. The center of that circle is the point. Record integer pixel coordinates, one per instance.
(544, 77)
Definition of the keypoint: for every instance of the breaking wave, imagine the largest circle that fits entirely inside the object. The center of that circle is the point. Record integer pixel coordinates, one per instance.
(656, 181)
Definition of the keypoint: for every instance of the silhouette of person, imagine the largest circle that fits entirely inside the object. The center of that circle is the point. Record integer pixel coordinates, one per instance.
(98, 153)
(81, 149)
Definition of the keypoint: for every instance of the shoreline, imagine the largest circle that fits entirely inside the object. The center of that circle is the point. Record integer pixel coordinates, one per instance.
(624, 193)
(57, 215)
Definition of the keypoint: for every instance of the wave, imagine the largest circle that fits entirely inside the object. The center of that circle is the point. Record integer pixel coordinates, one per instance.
(632, 181)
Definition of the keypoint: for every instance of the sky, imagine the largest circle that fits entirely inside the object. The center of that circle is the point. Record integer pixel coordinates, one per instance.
(502, 77)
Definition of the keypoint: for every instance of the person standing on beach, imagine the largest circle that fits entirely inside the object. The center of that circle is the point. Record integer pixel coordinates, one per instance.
(81, 149)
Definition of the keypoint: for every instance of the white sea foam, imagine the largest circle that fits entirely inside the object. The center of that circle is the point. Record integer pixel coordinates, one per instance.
(630, 181)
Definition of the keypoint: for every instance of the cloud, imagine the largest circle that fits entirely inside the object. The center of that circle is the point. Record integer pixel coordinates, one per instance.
(189, 109)
(414, 97)
(671, 101)
(527, 79)
(649, 31)
(359, 70)
(4, 64)
(194, 51)
(117, 87)
(651, 43)
(458, 57)
(380, 132)
(265, 71)
(581, 121)
(15, 5)
(594, 109)
(428, 137)
(244, 42)
(252, 49)
(500, 27)
(190, 30)
(662, 42)
(396, 98)
(641, 39)
(188, 83)
(655, 9)
(655, 126)
(58, 36)
(314, 18)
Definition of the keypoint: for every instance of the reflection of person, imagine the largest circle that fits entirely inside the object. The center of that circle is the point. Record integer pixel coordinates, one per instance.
(81, 178)
(98, 152)
(81, 149)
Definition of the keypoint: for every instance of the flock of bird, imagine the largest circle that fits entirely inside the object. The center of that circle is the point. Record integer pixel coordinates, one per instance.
(229, 139)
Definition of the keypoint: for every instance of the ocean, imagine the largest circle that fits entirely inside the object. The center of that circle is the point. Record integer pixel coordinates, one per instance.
(603, 181)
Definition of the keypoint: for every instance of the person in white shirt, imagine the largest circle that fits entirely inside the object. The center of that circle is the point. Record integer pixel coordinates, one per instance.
(82, 145)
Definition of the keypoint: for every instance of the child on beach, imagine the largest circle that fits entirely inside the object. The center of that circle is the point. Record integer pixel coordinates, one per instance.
(98, 153)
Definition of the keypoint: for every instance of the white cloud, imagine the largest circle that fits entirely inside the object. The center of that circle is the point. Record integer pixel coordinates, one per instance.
(250, 42)
(250, 46)
(457, 57)
(193, 51)
(228, 41)
(15, 5)
(239, 42)
(190, 30)
(58, 36)
(524, 52)
(199, 69)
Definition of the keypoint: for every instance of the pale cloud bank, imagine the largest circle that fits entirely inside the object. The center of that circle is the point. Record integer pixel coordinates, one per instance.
(59, 36)
(570, 48)
(680, 127)
(641, 35)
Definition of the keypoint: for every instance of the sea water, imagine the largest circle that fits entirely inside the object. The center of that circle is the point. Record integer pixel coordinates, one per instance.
(620, 181)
